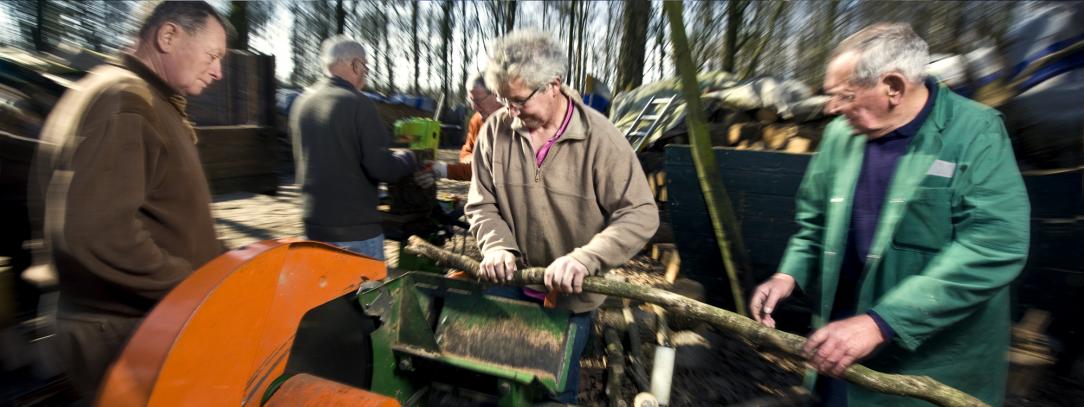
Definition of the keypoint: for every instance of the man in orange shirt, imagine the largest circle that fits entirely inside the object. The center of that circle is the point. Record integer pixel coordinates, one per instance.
(484, 103)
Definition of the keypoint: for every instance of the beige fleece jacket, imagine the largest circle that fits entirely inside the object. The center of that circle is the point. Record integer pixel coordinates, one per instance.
(589, 199)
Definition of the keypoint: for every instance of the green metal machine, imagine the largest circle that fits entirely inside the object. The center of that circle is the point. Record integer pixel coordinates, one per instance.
(444, 341)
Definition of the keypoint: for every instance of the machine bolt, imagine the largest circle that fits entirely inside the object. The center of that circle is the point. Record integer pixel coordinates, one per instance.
(406, 364)
(504, 388)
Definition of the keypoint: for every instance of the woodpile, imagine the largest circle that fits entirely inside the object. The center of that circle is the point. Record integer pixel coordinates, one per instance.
(775, 136)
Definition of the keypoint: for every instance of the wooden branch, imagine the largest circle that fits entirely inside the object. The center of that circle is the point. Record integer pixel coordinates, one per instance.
(615, 364)
(636, 351)
(920, 387)
(720, 209)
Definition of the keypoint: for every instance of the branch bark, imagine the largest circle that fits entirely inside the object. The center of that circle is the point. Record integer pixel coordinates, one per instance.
(920, 387)
(716, 199)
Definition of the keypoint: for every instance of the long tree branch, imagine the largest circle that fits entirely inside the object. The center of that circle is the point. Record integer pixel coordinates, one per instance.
(920, 387)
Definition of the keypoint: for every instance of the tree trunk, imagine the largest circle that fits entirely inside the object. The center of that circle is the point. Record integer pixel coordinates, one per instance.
(727, 231)
(661, 38)
(340, 17)
(389, 63)
(466, 52)
(581, 11)
(445, 39)
(239, 20)
(510, 16)
(414, 41)
(826, 41)
(734, 9)
(762, 44)
(630, 71)
(571, 41)
(295, 45)
(920, 387)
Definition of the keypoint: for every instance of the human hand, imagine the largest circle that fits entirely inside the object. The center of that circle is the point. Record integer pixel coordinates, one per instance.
(565, 275)
(833, 348)
(497, 266)
(767, 295)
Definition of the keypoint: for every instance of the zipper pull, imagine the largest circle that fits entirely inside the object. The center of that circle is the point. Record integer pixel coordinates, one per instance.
(538, 174)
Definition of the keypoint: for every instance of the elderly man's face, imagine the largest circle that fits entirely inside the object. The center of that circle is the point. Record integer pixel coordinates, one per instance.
(483, 102)
(360, 68)
(194, 60)
(527, 104)
(866, 108)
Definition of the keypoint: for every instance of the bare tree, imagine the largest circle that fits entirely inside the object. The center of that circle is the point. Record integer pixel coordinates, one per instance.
(446, 24)
(414, 42)
(764, 36)
(239, 19)
(312, 21)
(340, 17)
(630, 71)
(735, 9)
(389, 7)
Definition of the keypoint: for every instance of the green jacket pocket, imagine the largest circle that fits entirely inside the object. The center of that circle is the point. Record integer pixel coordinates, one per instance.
(927, 222)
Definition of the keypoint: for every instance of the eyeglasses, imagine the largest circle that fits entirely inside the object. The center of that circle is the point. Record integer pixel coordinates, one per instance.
(518, 104)
(842, 98)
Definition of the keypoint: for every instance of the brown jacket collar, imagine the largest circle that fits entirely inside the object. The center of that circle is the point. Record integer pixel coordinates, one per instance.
(133, 64)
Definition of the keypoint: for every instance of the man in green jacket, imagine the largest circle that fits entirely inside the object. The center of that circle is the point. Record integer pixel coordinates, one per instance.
(913, 221)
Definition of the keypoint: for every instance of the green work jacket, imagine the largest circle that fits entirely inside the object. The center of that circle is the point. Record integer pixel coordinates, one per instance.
(952, 235)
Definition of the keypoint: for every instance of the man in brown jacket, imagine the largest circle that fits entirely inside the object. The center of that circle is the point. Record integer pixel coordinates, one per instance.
(555, 185)
(128, 208)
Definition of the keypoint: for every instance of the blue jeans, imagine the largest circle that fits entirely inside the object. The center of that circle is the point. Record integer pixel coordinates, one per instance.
(373, 247)
(583, 331)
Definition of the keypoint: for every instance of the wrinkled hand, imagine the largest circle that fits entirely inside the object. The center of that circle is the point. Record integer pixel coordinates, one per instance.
(498, 265)
(565, 275)
(833, 348)
(425, 178)
(767, 295)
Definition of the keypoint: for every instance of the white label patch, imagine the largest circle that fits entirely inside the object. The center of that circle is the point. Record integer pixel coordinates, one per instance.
(942, 169)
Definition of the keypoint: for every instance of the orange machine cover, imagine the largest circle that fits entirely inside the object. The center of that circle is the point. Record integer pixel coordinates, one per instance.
(225, 333)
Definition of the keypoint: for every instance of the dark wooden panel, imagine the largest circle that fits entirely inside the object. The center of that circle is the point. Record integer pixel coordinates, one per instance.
(239, 158)
(1057, 194)
(761, 185)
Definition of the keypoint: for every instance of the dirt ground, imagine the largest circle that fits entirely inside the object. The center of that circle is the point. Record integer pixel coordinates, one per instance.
(711, 367)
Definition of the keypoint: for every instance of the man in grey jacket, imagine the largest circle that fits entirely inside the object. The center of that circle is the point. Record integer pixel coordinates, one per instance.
(341, 153)
(554, 185)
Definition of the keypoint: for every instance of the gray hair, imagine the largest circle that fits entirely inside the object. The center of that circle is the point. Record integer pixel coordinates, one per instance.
(191, 16)
(531, 56)
(884, 48)
(339, 48)
(477, 80)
